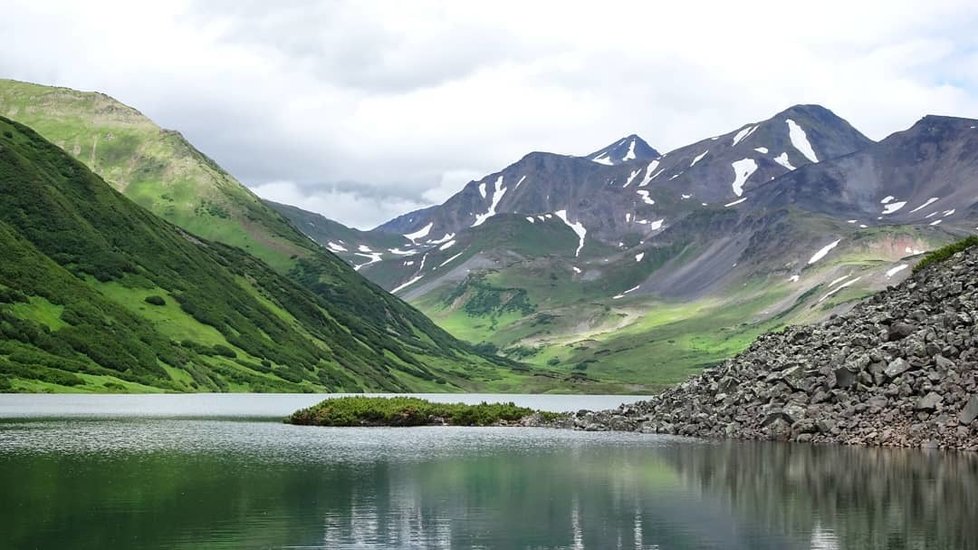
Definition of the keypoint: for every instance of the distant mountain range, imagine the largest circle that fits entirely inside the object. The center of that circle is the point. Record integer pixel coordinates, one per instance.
(633, 266)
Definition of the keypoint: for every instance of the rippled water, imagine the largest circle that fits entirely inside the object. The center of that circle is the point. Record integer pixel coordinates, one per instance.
(196, 477)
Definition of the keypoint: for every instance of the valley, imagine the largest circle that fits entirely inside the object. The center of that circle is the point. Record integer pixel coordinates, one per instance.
(640, 269)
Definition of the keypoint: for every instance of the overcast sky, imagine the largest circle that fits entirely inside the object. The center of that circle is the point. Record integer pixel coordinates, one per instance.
(364, 110)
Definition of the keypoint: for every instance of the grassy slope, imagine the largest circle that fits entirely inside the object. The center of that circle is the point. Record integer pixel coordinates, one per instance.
(642, 343)
(161, 171)
(80, 261)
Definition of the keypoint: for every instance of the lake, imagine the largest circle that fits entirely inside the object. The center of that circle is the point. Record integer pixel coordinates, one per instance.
(222, 471)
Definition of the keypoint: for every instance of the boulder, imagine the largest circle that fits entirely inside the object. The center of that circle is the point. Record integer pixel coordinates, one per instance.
(970, 411)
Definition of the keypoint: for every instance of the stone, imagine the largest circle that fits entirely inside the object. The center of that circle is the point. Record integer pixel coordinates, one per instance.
(899, 331)
(970, 411)
(929, 402)
(896, 367)
(844, 377)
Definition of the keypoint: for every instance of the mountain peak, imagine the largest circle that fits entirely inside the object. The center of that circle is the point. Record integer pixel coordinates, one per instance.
(626, 149)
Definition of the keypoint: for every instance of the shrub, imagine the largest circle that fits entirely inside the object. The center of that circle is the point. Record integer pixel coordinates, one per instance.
(945, 252)
(155, 300)
(404, 411)
(224, 351)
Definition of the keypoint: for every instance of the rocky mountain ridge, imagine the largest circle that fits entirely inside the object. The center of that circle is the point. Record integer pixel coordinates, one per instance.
(651, 269)
(900, 369)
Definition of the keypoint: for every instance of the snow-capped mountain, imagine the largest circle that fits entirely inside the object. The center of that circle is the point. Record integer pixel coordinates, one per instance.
(783, 219)
(626, 149)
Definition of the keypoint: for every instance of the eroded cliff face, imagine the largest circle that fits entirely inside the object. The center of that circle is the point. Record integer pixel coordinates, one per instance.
(900, 369)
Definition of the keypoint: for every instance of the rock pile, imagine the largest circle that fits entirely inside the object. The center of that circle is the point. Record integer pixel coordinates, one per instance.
(900, 369)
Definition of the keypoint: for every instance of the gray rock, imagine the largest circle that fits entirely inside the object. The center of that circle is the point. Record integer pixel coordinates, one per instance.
(844, 377)
(896, 367)
(899, 331)
(929, 402)
(970, 411)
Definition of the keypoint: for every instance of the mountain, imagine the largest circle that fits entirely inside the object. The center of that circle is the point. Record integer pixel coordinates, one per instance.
(624, 150)
(646, 271)
(160, 170)
(924, 175)
(97, 294)
(358, 247)
(156, 168)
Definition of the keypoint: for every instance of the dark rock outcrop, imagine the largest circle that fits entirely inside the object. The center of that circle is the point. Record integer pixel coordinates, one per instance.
(900, 369)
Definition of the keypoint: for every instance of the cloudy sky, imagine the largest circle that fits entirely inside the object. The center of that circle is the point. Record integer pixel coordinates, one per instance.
(363, 110)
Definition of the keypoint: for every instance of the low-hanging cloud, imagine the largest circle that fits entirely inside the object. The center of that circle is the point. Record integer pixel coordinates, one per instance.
(409, 100)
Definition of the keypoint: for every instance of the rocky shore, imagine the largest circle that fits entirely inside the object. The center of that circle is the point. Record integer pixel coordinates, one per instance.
(900, 369)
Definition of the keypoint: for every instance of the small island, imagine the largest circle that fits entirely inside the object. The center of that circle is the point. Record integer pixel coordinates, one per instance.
(413, 411)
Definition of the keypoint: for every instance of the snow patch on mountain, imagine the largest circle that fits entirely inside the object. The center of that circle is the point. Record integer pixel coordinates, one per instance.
(400, 252)
(893, 207)
(631, 177)
(761, 150)
(648, 173)
(519, 183)
(734, 203)
(448, 261)
(645, 197)
(497, 195)
(364, 248)
(929, 202)
(800, 140)
(837, 281)
(639, 256)
(447, 245)
(419, 234)
(850, 283)
(782, 159)
(698, 158)
(335, 247)
(823, 251)
(893, 271)
(630, 155)
(742, 135)
(447, 237)
(622, 295)
(374, 257)
(888, 199)
(482, 189)
(743, 169)
(603, 159)
(530, 219)
(576, 227)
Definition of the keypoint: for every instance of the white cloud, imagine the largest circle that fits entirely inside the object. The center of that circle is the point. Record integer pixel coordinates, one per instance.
(358, 209)
(417, 98)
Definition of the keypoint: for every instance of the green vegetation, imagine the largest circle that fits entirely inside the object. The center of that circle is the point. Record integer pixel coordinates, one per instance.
(97, 294)
(405, 411)
(946, 252)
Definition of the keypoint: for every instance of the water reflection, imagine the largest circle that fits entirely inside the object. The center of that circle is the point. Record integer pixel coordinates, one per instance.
(847, 497)
(209, 484)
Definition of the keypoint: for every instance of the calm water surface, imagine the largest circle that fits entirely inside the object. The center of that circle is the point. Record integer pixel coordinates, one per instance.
(223, 472)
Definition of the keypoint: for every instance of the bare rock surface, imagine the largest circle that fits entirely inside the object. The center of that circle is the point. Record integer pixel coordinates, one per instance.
(900, 369)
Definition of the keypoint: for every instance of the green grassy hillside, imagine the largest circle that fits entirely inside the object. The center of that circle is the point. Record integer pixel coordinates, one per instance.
(156, 168)
(98, 294)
